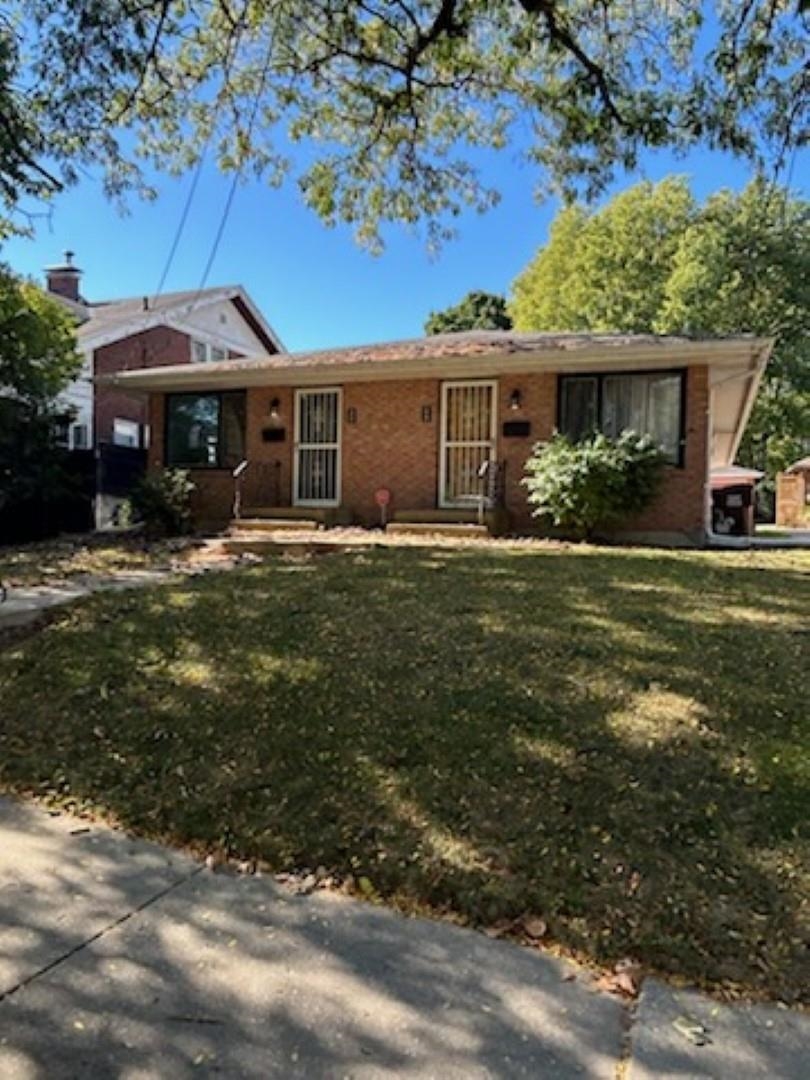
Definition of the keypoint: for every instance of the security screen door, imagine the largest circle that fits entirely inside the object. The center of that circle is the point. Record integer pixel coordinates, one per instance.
(316, 480)
(468, 440)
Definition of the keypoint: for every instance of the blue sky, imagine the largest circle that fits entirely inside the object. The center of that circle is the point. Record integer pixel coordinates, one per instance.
(315, 286)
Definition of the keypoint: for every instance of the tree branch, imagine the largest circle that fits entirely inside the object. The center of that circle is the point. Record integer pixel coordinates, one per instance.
(547, 9)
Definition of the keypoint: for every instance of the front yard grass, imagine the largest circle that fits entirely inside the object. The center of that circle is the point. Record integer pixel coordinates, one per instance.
(614, 741)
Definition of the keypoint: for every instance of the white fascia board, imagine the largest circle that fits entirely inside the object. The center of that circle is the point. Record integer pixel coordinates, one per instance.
(260, 319)
(173, 317)
(147, 320)
(262, 371)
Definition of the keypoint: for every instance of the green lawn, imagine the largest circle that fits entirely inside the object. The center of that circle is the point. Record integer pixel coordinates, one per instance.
(616, 741)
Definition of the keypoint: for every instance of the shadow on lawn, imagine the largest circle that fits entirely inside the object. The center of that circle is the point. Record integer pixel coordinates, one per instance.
(614, 741)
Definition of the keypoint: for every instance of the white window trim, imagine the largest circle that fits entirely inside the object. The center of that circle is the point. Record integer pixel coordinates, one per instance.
(338, 446)
(74, 445)
(460, 384)
(209, 347)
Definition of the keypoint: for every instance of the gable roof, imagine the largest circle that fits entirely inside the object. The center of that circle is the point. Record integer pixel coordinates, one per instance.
(105, 321)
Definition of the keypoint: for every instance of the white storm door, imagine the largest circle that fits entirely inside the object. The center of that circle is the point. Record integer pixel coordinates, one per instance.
(467, 440)
(316, 463)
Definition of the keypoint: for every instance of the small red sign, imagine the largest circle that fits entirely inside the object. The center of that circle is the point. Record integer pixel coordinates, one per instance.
(382, 496)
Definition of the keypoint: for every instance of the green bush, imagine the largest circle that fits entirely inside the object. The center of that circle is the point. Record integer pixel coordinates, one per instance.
(594, 484)
(162, 501)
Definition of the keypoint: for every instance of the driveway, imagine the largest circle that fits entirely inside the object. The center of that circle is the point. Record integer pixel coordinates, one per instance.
(120, 958)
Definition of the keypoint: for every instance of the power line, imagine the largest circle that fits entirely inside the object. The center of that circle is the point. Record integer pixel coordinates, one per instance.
(181, 224)
(254, 112)
(197, 172)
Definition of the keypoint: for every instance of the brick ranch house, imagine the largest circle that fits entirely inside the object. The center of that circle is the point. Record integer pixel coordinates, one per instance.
(323, 432)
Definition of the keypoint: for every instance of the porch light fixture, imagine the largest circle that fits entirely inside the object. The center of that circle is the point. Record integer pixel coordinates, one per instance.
(427, 414)
(275, 405)
(515, 400)
(351, 414)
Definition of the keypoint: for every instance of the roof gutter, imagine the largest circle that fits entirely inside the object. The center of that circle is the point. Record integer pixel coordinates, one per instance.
(255, 372)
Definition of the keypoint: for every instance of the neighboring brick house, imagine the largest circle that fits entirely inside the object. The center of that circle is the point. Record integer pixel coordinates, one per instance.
(203, 325)
(324, 432)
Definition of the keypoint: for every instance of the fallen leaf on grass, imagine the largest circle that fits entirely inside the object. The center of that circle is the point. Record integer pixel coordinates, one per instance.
(534, 927)
(499, 928)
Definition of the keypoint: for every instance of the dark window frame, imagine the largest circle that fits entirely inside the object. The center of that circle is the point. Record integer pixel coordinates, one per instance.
(600, 377)
(218, 394)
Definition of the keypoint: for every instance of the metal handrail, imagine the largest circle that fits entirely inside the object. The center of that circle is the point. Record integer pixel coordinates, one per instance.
(491, 474)
(238, 473)
(263, 484)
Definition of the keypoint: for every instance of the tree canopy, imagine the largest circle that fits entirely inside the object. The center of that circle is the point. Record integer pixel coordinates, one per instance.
(38, 356)
(392, 99)
(476, 311)
(654, 260)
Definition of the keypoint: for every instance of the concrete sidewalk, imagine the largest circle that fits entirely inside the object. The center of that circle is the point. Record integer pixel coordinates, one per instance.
(25, 603)
(119, 958)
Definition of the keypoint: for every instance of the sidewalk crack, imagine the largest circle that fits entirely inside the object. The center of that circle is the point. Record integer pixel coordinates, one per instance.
(101, 933)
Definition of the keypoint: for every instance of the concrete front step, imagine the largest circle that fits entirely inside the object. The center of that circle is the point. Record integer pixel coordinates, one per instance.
(268, 524)
(436, 528)
(328, 516)
(466, 515)
(287, 513)
(496, 521)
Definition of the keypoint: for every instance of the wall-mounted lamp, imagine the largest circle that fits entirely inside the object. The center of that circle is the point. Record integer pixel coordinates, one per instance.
(515, 400)
(351, 414)
(427, 414)
(275, 406)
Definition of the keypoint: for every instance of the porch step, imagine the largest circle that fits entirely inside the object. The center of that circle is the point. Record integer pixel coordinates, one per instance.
(288, 513)
(437, 517)
(268, 524)
(299, 516)
(437, 528)
(496, 522)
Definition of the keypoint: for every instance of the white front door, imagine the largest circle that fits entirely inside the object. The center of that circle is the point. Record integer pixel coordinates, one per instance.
(467, 440)
(316, 464)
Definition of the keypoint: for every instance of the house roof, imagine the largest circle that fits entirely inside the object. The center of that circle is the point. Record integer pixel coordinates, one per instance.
(802, 465)
(736, 365)
(101, 322)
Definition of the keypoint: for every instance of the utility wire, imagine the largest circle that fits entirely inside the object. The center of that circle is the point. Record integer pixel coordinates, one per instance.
(195, 179)
(181, 224)
(240, 169)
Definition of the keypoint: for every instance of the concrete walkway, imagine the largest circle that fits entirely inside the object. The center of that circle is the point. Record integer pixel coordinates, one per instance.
(119, 958)
(25, 603)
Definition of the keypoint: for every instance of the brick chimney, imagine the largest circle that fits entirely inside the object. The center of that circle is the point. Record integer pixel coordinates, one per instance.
(64, 278)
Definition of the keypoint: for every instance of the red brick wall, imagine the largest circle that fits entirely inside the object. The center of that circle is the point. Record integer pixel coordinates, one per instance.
(152, 348)
(538, 405)
(390, 445)
(681, 505)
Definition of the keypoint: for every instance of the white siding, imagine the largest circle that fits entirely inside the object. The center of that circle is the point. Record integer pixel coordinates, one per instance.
(234, 333)
(78, 397)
